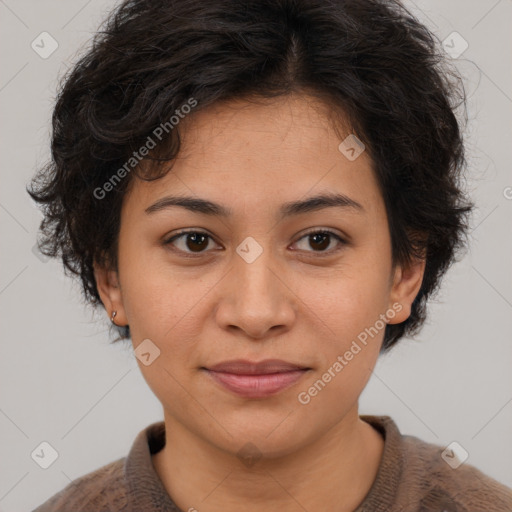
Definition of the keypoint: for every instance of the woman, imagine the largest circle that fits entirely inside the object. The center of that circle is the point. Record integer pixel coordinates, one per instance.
(262, 196)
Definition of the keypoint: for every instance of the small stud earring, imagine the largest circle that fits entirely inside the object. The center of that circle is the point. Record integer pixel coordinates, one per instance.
(114, 313)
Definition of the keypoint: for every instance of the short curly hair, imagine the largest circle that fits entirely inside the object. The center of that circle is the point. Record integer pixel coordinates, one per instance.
(370, 60)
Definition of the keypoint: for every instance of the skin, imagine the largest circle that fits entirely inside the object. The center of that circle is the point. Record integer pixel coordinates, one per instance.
(294, 302)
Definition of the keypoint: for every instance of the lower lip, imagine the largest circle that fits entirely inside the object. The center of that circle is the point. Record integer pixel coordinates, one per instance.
(257, 386)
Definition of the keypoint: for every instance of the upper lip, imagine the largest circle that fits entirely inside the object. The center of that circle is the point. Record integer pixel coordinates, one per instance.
(244, 367)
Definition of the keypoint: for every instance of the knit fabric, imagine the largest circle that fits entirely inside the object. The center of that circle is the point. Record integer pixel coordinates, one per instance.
(412, 477)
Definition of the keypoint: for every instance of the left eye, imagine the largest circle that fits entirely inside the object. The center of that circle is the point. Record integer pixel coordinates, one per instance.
(321, 240)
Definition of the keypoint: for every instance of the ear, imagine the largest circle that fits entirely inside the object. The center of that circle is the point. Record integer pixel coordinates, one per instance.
(406, 285)
(107, 282)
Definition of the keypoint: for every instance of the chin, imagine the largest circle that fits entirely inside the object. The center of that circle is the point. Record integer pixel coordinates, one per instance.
(268, 437)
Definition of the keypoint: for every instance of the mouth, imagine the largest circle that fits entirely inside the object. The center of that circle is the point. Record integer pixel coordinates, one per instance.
(256, 379)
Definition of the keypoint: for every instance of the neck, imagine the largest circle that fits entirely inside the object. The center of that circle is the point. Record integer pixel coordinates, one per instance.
(335, 471)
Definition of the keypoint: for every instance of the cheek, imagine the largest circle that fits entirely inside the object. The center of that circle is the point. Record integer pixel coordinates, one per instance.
(346, 303)
(332, 392)
(350, 319)
(170, 309)
(347, 312)
(160, 308)
(153, 299)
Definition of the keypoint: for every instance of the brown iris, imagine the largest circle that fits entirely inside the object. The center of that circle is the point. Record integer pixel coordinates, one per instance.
(196, 241)
(324, 237)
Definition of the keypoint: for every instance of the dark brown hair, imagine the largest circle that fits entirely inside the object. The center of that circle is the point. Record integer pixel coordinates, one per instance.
(371, 60)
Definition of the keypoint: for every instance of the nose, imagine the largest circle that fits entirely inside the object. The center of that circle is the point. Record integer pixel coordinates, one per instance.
(256, 299)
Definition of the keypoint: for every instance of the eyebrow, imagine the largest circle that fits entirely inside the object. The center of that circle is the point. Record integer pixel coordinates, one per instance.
(315, 203)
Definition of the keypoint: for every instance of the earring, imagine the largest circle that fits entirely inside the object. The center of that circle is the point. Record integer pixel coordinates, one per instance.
(114, 313)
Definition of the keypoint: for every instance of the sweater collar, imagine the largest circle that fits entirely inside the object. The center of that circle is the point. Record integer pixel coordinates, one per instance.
(383, 491)
(149, 494)
(144, 485)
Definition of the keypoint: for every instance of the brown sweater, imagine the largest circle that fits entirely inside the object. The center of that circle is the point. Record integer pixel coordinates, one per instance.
(412, 477)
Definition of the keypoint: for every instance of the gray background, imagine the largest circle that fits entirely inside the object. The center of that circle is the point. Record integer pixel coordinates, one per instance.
(61, 381)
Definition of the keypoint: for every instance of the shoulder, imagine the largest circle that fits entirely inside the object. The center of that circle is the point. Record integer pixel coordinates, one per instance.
(126, 484)
(444, 479)
(418, 476)
(101, 490)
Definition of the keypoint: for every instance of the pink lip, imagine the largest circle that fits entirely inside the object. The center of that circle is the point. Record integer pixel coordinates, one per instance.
(256, 380)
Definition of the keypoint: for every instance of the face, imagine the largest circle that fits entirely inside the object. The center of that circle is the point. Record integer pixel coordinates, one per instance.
(265, 273)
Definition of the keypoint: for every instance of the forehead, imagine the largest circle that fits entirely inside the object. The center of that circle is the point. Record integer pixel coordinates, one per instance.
(254, 152)
(295, 122)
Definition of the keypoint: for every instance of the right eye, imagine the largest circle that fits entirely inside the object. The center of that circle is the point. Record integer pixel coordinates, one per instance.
(190, 241)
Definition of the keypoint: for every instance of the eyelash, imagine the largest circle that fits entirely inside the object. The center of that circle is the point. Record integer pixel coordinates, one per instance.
(341, 241)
